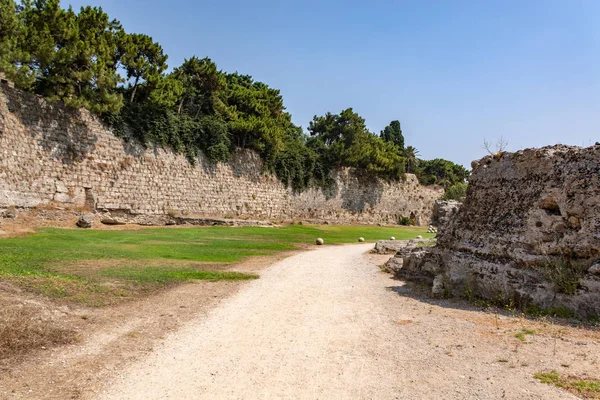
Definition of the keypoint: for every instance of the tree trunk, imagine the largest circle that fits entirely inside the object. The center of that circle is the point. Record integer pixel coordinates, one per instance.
(135, 86)
(180, 105)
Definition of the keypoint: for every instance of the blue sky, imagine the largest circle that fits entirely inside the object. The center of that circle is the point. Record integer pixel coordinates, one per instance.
(453, 72)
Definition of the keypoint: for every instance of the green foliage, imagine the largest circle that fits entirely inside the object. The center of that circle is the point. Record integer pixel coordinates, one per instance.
(548, 377)
(167, 92)
(214, 138)
(441, 172)
(342, 140)
(200, 82)
(404, 221)
(72, 56)
(164, 275)
(523, 334)
(557, 312)
(297, 164)
(142, 58)
(411, 153)
(565, 273)
(456, 192)
(75, 57)
(393, 134)
(586, 388)
(12, 31)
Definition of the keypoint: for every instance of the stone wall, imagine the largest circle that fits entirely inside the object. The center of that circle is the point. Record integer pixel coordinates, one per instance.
(528, 231)
(49, 153)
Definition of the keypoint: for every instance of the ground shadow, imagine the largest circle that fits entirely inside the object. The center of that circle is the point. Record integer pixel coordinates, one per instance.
(422, 293)
(362, 191)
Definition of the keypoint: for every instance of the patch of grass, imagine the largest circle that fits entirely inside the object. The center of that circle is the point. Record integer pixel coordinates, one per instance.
(556, 312)
(551, 377)
(164, 275)
(50, 261)
(428, 243)
(586, 388)
(565, 273)
(22, 330)
(523, 334)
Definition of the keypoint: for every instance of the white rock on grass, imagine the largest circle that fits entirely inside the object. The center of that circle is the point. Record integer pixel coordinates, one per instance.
(419, 237)
(320, 242)
(392, 238)
(361, 239)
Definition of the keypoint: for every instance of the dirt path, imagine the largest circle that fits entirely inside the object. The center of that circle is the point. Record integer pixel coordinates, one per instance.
(328, 324)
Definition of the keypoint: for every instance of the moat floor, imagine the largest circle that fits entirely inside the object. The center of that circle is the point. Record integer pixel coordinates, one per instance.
(328, 323)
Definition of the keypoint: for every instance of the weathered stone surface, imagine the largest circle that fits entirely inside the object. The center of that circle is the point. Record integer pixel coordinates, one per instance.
(85, 221)
(389, 246)
(443, 212)
(437, 287)
(393, 265)
(400, 247)
(108, 220)
(523, 211)
(49, 153)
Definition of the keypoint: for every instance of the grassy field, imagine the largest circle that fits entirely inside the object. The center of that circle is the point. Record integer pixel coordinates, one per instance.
(99, 267)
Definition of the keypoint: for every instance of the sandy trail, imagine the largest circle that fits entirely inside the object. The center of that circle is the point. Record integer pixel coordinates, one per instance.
(328, 324)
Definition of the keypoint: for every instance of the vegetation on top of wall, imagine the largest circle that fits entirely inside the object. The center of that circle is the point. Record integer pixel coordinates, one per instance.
(456, 192)
(85, 59)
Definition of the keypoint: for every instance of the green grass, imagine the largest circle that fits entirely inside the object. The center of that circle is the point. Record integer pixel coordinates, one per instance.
(587, 388)
(164, 275)
(557, 312)
(91, 266)
(523, 334)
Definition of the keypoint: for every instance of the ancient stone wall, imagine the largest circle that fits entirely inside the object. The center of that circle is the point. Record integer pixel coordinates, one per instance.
(528, 231)
(49, 153)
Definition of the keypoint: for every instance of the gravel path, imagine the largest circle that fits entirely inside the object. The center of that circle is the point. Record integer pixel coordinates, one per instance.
(328, 324)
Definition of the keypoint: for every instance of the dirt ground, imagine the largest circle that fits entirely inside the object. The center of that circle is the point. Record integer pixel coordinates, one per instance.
(325, 323)
(109, 338)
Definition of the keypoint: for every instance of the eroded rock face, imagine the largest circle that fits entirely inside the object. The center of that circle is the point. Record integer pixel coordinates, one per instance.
(395, 246)
(529, 230)
(443, 212)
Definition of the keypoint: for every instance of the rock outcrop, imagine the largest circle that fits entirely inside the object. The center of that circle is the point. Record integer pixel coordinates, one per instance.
(443, 210)
(400, 246)
(528, 232)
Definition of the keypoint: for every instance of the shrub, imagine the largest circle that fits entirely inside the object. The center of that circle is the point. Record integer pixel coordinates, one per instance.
(456, 192)
(405, 221)
(565, 273)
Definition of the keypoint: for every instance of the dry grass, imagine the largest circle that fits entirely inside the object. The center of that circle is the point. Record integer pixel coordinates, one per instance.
(22, 329)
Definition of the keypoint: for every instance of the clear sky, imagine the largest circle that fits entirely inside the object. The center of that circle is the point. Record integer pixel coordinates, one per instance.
(453, 72)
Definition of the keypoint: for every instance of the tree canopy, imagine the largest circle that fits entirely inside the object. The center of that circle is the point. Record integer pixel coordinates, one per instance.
(86, 59)
(393, 134)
